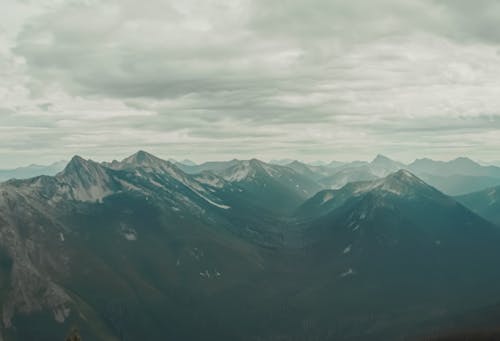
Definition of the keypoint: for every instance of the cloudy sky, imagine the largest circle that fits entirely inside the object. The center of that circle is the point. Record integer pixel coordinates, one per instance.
(217, 79)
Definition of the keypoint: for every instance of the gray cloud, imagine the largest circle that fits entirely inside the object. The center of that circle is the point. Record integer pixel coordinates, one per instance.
(243, 78)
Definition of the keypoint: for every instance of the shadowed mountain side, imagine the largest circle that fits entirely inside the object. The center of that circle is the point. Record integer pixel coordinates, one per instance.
(138, 247)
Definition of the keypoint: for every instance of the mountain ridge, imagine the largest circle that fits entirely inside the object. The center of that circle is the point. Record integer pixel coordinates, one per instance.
(133, 242)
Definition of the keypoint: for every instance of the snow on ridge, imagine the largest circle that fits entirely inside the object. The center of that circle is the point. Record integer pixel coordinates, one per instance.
(225, 207)
(238, 172)
(349, 272)
(210, 180)
(326, 197)
(270, 170)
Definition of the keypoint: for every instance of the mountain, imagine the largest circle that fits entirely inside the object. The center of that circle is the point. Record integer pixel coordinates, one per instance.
(213, 166)
(455, 185)
(382, 166)
(318, 163)
(187, 162)
(335, 164)
(281, 162)
(459, 166)
(486, 203)
(109, 248)
(398, 240)
(401, 183)
(458, 176)
(139, 248)
(31, 171)
(345, 175)
(314, 172)
(278, 188)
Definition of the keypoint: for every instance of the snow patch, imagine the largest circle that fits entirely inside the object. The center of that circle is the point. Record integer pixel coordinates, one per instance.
(349, 272)
(61, 314)
(239, 172)
(327, 197)
(130, 236)
(129, 233)
(225, 207)
(210, 180)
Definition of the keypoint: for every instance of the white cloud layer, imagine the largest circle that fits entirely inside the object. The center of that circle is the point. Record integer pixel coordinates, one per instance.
(317, 79)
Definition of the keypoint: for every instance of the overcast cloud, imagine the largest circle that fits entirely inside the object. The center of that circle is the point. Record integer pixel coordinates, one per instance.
(217, 79)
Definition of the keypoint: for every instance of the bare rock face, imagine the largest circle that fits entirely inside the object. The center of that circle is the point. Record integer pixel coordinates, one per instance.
(33, 256)
(85, 180)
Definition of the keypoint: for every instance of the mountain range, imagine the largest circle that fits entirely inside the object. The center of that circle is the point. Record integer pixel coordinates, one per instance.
(455, 177)
(146, 248)
(32, 171)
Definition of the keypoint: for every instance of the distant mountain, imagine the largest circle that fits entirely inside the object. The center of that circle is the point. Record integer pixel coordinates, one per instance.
(459, 166)
(400, 184)
(275, 187)
(346, 175)
(318, 163)
(31, 171)
(281, 162)
(335, 164)
(213, 166)
(382, 166)
(187, 162)
(486, 203)
(458, 176)
(460, 184)
(314, 172)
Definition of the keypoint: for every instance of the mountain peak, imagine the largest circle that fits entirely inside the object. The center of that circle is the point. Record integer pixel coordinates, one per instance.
(381, 157)
(140, 157)
(296, 163)
(144, 159)
(77, 164)
(247, 169)
(86, 180)
(255, 162)
(77, 159)
(188, 162)
(383, 160)
(403, 182)
(400, 183)
(404, 175)
(464, 161)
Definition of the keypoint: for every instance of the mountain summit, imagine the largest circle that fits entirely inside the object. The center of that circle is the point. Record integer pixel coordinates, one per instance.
(401, 185)
(144, 160)
(382, 165)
